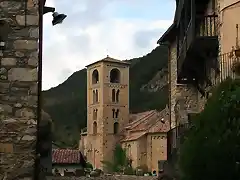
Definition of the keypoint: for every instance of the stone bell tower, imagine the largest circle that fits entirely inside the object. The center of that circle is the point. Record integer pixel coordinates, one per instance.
(108, 107)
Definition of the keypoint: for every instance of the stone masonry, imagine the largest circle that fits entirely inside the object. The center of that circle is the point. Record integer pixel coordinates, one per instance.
(18, 87)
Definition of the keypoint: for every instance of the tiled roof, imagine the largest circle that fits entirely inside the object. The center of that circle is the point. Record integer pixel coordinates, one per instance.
(109, 59)
(134, 136)
(147, 122)
(67, 156)
(136, 119)
(160, 126)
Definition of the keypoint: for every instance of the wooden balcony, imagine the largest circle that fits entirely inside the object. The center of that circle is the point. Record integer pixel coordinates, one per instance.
(199, 45)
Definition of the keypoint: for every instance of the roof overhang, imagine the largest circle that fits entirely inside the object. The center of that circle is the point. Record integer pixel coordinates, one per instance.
(169, 35)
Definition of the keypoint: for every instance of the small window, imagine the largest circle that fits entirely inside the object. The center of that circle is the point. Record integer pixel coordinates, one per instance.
(113, 113)
(95, 111)
(113, 95)
(115, 76)
(117, 113)
(95, 77)
(95, 128)
(96, 96)
(117, 95)
(115, 128)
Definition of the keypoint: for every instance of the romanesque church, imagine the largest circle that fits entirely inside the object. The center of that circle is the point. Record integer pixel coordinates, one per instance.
(109, 122)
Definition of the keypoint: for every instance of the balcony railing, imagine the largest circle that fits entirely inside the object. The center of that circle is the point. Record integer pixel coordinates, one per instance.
(175, 138)
(205, 26)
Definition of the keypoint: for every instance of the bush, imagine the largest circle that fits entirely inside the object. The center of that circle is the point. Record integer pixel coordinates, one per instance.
(89, 165)
(129, 171)
(211, 149)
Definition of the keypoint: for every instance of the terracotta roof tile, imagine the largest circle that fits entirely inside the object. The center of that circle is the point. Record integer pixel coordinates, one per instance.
(109, 59)
(147, 122)
(160, 126)
(67, 156)
(139, 118)
(134, 136)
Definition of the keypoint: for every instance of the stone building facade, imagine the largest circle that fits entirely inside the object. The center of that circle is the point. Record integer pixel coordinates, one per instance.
(107, 107)
(185, 99)
(142, 135)
(19, 33)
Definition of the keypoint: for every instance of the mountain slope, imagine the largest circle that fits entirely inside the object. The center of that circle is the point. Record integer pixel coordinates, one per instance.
(66, 103)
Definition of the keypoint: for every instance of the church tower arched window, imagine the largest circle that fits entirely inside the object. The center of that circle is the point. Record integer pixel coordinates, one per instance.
(115, 128)
(113, 95)
(117, 95)
(94, 128)
(95, 77)
(115, 76)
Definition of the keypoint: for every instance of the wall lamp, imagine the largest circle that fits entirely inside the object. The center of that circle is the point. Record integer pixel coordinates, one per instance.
(57, 18)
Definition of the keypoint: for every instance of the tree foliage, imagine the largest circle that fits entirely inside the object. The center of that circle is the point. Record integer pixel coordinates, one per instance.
(120, 162)
(211, 149)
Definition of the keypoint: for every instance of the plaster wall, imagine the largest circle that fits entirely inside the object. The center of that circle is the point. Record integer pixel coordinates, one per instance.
(229, 16)
(158, 150)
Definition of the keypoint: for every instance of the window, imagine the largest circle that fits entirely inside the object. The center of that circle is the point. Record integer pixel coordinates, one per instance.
(95, 77)
(96, 96)
(95, 114)
(95, 128)
(115, 128)
(113, 95)
(117, 95)
(113, 113)
(116, 113)
(115, 76)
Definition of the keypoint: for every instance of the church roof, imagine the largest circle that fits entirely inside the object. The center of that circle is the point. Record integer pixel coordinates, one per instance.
(147, 122)
(111, 60)
(67, 156)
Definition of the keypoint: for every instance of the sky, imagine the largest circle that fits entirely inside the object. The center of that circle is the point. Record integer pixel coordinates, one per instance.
(93, 29)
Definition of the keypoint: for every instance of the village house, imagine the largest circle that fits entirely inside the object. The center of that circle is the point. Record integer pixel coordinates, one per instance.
(203, 44)
(67, 162)
(109, 122)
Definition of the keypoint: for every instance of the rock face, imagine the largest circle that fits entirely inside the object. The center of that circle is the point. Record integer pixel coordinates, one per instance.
(18, 82)
(158, 81)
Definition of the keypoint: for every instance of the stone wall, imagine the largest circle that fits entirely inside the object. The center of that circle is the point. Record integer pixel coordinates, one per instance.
(18, 87)
(107, 177)
(184, 98)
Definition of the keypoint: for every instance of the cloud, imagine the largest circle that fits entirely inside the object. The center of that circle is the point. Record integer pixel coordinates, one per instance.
(91, 32)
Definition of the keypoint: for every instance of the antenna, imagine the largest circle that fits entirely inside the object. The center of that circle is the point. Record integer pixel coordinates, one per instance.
(107, 53)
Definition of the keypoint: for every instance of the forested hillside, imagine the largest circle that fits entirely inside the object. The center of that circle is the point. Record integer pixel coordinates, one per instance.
(67, 106)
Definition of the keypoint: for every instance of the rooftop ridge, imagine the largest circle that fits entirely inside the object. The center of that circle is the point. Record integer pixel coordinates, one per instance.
(143, 118)
(146, 118)
(110, 59)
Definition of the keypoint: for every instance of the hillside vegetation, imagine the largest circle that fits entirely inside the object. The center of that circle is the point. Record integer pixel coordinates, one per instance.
(67, 106)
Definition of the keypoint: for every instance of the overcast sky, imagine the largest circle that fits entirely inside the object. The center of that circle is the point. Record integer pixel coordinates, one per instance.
(122, 29)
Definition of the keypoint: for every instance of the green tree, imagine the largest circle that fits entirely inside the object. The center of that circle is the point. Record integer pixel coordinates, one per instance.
(211, 150)
(120, 161)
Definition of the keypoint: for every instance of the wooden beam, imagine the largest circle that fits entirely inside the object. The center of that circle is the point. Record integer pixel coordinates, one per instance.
(193, 17)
